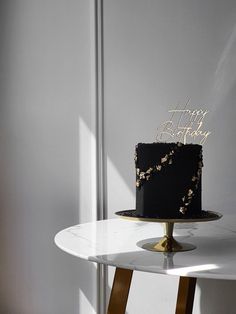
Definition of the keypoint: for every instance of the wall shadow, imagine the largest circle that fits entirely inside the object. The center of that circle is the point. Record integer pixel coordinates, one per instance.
(217, 296)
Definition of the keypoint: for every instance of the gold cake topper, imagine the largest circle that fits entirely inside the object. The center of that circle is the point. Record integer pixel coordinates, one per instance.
(184, 125)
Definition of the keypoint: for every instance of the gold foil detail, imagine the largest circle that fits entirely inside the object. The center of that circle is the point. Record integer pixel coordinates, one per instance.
(190, 192)
(183, 210)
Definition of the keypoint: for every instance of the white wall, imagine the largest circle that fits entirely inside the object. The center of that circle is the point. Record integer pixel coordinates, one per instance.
(157, 54)
(46, 119)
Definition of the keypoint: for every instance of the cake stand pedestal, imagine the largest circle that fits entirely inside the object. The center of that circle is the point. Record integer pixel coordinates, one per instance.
(168, 243)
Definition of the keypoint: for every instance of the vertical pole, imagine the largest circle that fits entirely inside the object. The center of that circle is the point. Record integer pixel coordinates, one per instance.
(100, 145)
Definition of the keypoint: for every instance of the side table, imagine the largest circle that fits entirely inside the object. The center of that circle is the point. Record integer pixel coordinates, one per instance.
(118, 243)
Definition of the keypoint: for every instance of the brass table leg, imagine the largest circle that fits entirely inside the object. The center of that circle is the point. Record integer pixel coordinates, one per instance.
(120, 291)
(185, 296)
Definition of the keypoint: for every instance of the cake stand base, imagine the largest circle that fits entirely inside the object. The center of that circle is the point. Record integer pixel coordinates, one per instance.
(168, 243)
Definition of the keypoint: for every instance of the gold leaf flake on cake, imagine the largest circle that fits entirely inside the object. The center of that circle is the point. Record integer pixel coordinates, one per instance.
(142, 175)
(183, 210)
(164, 159)
(190, 192)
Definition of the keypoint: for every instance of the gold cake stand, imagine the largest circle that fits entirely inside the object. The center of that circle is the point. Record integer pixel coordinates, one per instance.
(168, 243)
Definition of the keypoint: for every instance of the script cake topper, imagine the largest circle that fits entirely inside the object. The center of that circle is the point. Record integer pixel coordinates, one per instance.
(184, 125)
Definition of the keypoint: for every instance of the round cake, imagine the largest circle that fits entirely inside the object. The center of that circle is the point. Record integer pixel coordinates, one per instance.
(168, 180)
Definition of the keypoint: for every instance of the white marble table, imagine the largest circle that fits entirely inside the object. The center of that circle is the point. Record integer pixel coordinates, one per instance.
(118, 242)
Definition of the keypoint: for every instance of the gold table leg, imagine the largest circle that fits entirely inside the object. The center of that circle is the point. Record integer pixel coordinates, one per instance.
(185, 296)
(120, 291)
(121, 286)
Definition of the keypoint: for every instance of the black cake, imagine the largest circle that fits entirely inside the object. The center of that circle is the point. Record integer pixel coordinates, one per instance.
(168, 180)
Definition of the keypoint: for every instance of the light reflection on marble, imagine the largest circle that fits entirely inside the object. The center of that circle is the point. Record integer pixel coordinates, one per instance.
(114, 242)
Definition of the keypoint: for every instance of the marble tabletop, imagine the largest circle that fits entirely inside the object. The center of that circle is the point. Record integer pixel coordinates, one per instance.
(118, 242)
